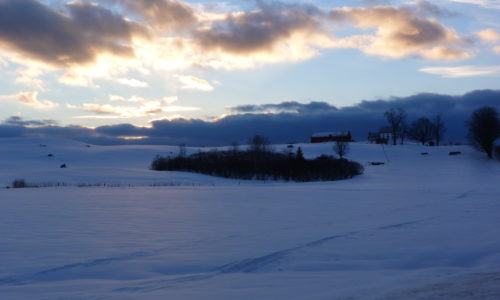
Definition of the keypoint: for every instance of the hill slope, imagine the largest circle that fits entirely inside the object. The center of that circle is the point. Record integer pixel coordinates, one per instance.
(417, 227)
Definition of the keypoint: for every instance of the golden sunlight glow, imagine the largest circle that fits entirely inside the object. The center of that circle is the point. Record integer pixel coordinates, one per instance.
(132, 137)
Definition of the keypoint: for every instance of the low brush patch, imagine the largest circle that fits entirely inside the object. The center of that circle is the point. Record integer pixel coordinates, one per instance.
(261, 165)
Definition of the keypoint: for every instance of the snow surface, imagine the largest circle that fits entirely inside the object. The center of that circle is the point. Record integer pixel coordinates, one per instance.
(417, 227)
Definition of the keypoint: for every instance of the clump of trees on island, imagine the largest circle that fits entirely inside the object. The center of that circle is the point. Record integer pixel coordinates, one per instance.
(260, 162)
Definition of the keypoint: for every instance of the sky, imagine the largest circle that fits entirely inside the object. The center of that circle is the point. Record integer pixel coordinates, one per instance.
(86, 69)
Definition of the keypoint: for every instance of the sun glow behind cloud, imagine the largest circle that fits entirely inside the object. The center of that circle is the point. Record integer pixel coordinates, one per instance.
(273, 32)
(136, 107)
(139, 46)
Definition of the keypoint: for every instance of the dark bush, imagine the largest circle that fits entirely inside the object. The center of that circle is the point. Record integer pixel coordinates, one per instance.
(484, 129)
(260, 165)
(19, 183)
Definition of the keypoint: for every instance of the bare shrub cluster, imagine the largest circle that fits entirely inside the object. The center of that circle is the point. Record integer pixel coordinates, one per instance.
(261, 165)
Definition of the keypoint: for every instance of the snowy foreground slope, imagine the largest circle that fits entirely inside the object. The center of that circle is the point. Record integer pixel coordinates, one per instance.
(418, 227)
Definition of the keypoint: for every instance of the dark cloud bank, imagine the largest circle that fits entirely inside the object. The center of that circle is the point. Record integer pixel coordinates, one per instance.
(76, 36)
(288, 122)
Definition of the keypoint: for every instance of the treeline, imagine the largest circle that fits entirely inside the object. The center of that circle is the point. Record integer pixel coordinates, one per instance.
(483, 125)
(261, 165)
(423, 130)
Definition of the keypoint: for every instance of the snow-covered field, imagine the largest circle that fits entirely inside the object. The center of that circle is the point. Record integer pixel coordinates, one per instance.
(418, 227)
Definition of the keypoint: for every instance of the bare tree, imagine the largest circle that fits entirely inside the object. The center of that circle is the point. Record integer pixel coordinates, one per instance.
(235, 147)
(299, 155)
(396, 118)
(259, 143)
(341, 148)
(403, 132)
(439, 128)
(484, 129)
(182, 150)
(421, 130)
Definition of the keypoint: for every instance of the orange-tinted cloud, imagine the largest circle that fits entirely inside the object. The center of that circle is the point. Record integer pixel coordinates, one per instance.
(259, 30)
(142, 107)
(31, 99)
(189, 82)
(489, 35)
(162, 14)
(89, 41)
(401, 32)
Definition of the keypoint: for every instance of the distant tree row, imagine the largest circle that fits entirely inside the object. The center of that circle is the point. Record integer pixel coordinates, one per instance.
(483, 125)
(423, 129)
(427, 130)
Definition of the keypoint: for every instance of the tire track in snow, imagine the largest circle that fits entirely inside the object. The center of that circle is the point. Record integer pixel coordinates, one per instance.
(47, 274)
(473, 286)
(399, 225)
(153, 285)
(250, 265)
(254, 264)
(243, 266)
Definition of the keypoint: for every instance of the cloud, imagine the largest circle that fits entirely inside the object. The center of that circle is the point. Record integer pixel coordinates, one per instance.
(3, 62)
(143, 107)
(287, 106)
(298, 126)
(484, 3)
(162, 14)
(137, 99)
(76, 79)
(489, 35)
(85, 42)
(17, 127)
(280, 127)
(189, 82)
(30, 76)
(260, 30)
(78, 35)
(401, 32)
(132, 82)
(106, 41)
(426, 8)
(31, 99)
(462, 71)
(278, 32)
(18, 121)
